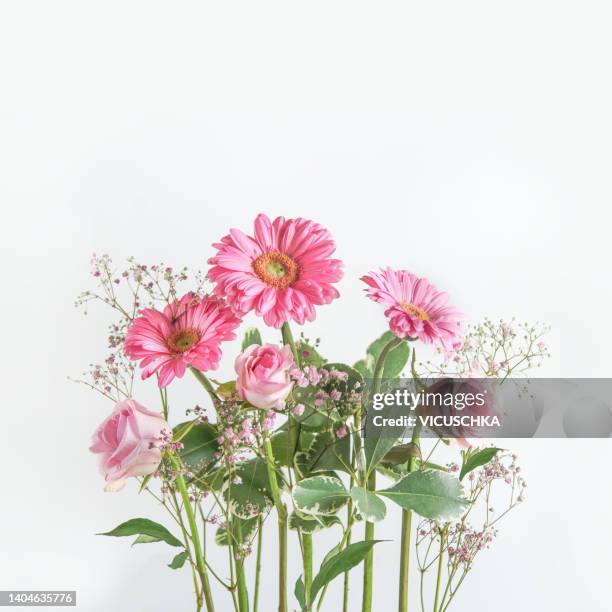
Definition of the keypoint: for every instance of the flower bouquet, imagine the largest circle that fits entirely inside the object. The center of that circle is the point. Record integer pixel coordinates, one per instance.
(283, 441)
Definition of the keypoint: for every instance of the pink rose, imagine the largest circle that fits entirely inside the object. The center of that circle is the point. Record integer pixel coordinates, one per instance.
(263, 375)
(127, 443)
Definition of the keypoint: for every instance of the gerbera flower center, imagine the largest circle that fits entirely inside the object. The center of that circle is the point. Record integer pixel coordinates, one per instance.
(415, 311)
(182, 340)
(276, 269)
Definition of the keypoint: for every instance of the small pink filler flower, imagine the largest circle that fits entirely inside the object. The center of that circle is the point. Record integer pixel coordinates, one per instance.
(281, 273)
(127, 443)
(263, 375)
(415, 308)
(187, 332)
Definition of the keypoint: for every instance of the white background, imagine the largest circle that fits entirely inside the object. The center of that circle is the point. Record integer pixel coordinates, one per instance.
(466, 141)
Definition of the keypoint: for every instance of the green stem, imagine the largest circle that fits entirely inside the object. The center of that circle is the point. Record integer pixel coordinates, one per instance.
(406, 534)
(281, 511)
(195, 538)
(407, 516)
(440, 562)
(307, 555)
(294, 434)
(243, 595)
(258, 564)
(405, 560)
(205, 383)
(368, 564)
(289, 341)
(349, 529)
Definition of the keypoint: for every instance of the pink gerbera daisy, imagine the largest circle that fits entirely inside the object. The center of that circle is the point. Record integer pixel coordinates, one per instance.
(282, 272)
(187, 332)
(416, 309)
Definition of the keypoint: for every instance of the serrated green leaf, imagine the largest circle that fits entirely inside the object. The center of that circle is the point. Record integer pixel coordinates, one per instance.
(251, 336)
(142, 526)
(179, 560)
(432, 494)
(319, 495)
(339, 563)
(473, 459)
(368, 504)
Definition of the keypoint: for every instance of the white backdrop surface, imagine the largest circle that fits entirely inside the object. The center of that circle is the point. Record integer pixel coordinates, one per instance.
(468, 142)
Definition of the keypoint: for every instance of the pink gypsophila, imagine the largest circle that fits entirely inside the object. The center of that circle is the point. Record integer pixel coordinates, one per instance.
(187, 332)
(282, 272)
(415, 308)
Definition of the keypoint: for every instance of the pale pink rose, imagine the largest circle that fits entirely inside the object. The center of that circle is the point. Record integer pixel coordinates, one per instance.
(127, 443)
(263, 375)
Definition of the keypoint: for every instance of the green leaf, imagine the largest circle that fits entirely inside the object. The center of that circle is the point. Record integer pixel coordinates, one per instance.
(312, 524)
(339, 563)
(145, 539)
(365, 366)
(299, 593)
(355, 379)
(312, 419)
(246, 502)
(308, 354)
(430, 493)
(179, 560)
(247, 529)
(251, 495)
(396, 360)
(281, 448)
(377, 445)
(401, 453)
(145, 482)
(142, 526)
(368, 504)
(328, 453)
(251, 336)
(209, 480)
(475, 458)
(320, 495)
(199, 446)
(254, 473)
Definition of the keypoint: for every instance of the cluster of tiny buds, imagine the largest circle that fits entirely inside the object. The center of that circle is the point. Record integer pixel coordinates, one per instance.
(501, 468)
(165, 443)
(243, 550)
(495, 349)
(198, 413)
(238, 431)
(465, 542)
